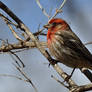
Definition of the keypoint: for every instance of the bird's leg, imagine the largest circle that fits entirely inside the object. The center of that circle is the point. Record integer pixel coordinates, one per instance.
(68, 77)
(53, 62)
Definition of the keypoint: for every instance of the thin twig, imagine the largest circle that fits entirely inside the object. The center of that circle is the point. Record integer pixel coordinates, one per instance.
(7, 21)
(28, 79)
(17, 58)
(88, 43)
(62, 83)
(13, 76)
(1, 15)
(43, 10)
(27, 38)
(38, 32)
(14, 33)
(59, 10)
(21, 50)
(50, 12)
(14, 59)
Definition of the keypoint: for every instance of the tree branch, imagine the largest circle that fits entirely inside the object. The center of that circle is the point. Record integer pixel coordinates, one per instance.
(43, 10)
(6, 48)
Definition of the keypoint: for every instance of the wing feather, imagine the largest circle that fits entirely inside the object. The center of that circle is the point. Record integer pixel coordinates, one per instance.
(75, 45)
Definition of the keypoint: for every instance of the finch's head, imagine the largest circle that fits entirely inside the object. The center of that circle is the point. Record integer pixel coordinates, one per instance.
(56, 24)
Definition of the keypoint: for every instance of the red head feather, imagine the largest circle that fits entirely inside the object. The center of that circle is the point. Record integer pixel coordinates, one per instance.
(57, 24)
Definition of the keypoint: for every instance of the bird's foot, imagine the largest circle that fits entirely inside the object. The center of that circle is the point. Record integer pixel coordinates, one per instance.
(69, 76)
(53, 62)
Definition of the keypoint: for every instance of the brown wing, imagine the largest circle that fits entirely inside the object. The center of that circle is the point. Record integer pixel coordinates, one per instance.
(76, 46)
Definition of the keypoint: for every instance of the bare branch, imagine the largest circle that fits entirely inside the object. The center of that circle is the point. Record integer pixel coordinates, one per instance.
(62, 5)
(18, 59)
(13, 76)
(87, 73)
(11, 14)
(62, 83)
(17, 46)
(14, 33)
(21, 50)
(59, 10)
(82, 88)
(28, 79)
(88, 43)
(15, 60)
(9, 21)
(85, 87)
(39, 32)
(43, 10)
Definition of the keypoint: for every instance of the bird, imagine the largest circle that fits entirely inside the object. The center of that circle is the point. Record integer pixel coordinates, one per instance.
(65, 45)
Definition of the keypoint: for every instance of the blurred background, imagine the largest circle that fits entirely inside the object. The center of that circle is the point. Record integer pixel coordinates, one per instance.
(78, 13)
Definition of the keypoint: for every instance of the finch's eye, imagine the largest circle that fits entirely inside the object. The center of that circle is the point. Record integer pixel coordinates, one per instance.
(54, 23)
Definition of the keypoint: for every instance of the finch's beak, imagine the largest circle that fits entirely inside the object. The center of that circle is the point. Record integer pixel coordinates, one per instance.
(48, 26)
